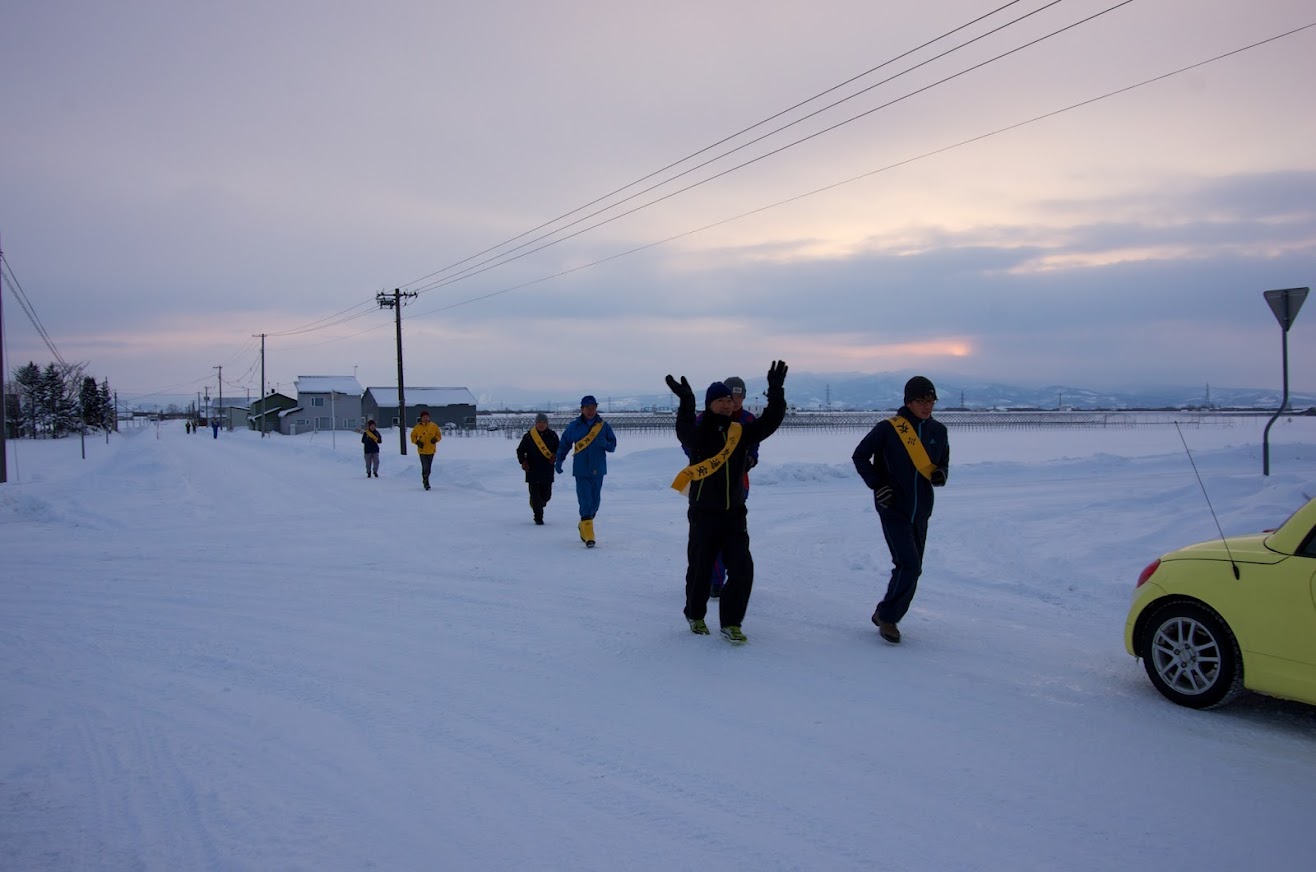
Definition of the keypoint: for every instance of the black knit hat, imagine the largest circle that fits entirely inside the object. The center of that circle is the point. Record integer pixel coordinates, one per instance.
(541, 418)
(918, 388)
(715, 391)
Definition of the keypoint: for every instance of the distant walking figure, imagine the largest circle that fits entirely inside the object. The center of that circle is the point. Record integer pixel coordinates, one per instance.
(425, 436)
(370, 440)
(536, 455)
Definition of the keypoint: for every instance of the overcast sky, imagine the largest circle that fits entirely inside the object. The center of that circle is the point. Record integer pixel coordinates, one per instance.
(177, 176)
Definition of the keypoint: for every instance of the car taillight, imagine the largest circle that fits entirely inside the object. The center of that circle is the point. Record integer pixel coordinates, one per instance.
(1147, 573)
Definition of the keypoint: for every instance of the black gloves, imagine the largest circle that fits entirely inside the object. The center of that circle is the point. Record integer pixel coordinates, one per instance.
(433, 441)
(777, 374)
(883, 496)
(682, 389)
(938, 477)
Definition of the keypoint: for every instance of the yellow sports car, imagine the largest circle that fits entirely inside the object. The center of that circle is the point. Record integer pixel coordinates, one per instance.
(1212, 619)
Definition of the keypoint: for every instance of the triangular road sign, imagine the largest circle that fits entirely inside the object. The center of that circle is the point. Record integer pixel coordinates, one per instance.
(1285, 304)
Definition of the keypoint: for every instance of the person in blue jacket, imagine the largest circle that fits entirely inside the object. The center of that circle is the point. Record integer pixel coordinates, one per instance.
(901, 460)
(593, 440)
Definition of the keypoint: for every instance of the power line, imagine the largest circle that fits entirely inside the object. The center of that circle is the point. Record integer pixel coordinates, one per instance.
(343, 317)
(311, 327)
(728, 138)
(473, 272)
(883, 169)
(16, 290)
(504, 257)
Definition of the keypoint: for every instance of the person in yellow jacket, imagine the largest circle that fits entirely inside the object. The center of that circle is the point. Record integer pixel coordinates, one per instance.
(425, 436)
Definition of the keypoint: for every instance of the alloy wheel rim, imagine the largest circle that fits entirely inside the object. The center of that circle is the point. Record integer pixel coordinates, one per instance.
(1186, 655)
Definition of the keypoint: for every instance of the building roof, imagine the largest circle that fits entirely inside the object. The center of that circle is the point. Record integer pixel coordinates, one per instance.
(432, 397)
(323, 384)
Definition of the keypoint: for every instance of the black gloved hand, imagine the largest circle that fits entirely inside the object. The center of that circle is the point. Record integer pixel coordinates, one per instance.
(434, 441)
(682, 389)
(777, 374)
(883, 496)
(750, 462)
(938, 477)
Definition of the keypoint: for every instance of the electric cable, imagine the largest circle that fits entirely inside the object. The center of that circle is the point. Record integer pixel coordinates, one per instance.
(907, 161)
(16, 291)
(491, 264)
(504, 257)
(722, 141)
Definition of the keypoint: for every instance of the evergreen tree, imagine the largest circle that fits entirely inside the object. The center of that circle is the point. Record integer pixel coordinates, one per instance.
(89, 400)
(109, 414)
(29, 393)
(52, 401)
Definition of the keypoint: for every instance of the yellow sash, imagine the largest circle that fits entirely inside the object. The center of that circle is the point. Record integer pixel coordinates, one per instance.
(704, 468)
(917, 453)
(539, 443)
(589, 437)
(373, 435)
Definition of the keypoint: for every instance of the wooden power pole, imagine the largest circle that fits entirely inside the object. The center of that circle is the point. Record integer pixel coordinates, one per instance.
(394, 302)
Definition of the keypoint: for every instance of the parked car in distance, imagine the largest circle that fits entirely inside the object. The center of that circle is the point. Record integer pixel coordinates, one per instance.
(1213, 619)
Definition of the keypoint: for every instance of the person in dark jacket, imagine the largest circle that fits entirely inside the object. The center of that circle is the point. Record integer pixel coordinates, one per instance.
(901, 460)
(536, 454)
(719, 448)
(741, 415)
(370, 440)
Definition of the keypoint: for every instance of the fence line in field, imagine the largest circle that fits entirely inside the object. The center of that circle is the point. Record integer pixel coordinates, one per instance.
(513, 426)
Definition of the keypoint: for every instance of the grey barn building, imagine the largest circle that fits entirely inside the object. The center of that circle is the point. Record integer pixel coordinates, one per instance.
(326, 402)
(448, 407)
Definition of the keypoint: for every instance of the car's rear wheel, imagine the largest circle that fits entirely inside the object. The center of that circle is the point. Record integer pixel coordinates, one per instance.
(1191, 656)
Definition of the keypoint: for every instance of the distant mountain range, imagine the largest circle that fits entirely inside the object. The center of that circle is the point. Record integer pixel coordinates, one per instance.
(885, 391)
(851, 390)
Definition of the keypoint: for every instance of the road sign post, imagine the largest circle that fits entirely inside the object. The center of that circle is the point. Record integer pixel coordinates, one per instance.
(1285, 303)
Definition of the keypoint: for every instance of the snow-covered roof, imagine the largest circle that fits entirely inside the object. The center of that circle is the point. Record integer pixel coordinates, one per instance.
(434, 397)
(283, 413)
(323, 384)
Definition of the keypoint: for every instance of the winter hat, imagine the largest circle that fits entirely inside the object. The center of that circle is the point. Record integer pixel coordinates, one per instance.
(919, 387)
(588, 400)
(737, 385)
(541, 418)
(715, 391)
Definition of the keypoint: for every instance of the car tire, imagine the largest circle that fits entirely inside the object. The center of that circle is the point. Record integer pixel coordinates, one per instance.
(1191, 656)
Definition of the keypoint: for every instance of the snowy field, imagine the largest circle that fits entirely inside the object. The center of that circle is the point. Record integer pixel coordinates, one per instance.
(242, 654)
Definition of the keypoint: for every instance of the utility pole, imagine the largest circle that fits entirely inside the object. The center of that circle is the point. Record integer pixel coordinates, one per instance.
(4, 451)
(220, 401)
(395, 303)
(264, 417)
